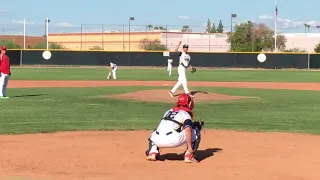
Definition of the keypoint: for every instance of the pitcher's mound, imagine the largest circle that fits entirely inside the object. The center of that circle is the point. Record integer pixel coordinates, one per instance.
(163, 96)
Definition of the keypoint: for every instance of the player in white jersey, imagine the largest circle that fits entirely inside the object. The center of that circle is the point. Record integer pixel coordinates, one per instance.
(113, 71)
(184, 63)
(176, 128)
(169, 68)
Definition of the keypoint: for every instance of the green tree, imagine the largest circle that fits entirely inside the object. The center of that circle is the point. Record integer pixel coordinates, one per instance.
(159, 28)
(281, 42)
(213, 28)
(152, 45)
(241, 39)
(52, 45)
(250, 37)
(220, 27)
(149, 27)
(208, 27)
(185, 28)
(97, 48)
(263, 38)
(317, 48)
(305, 28)
(9, 44)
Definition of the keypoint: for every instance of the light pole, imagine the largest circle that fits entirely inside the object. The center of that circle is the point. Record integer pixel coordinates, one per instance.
(232, 16)
(130, 19)
(47, 31)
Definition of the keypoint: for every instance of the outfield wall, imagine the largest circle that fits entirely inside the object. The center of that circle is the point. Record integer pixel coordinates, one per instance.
(218, 60)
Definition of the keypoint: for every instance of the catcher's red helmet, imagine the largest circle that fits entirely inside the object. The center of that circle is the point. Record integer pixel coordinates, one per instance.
(185, 100)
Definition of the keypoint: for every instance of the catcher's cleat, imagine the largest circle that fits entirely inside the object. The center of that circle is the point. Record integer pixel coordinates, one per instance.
(189, 158)
(152, 157)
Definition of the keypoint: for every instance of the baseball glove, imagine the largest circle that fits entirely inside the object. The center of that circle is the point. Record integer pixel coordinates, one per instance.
(198, 124)
(193, 70)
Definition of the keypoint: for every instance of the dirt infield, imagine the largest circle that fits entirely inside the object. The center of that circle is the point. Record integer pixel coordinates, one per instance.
(120, 155)
(163, 96)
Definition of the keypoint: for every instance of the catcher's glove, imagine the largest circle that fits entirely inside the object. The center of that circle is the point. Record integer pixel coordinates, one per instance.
(193, 70)
(198, 124)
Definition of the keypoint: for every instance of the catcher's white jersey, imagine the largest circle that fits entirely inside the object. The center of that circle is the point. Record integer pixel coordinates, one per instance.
(170, 132)
(173, 121)
(184, 59)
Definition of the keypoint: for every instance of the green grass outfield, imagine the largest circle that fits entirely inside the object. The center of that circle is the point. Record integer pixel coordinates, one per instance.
(62, 109)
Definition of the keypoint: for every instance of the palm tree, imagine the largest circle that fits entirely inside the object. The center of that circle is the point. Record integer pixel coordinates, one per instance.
(150, 27)
(185, 28)
(156, 28)
(305, 28)
(308, 26)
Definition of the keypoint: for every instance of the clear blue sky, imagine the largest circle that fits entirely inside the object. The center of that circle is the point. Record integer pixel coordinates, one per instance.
(68, 15)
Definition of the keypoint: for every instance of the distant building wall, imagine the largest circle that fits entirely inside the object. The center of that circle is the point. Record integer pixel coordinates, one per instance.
(306, 41)
(198, 42)
(108, 41)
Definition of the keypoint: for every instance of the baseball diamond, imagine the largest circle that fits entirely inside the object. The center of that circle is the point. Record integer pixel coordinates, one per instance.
(73, 123)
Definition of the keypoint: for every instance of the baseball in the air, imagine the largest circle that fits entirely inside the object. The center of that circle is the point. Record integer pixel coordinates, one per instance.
(262, 57)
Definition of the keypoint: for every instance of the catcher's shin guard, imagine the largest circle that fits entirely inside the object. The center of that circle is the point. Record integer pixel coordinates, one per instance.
(196, 143)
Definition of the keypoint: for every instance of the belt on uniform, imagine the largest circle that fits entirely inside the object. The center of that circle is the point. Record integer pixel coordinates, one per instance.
(184, 65)
(168, 133)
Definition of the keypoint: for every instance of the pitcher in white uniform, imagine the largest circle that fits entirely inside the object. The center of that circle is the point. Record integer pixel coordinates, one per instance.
(113, 71)
(184, 63)
(176, 129)
(169, 68)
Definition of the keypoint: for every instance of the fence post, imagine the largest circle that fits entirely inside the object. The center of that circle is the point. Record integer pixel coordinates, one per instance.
(21, 52)
(123, 46)
(81, 36)
(209, 42)
(102, 37)
(167, 37)
(308, 61)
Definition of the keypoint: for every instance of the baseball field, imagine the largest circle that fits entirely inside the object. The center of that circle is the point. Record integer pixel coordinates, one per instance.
(73, 124)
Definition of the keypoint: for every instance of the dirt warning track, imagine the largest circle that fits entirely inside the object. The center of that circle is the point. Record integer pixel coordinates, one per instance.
(258, 85)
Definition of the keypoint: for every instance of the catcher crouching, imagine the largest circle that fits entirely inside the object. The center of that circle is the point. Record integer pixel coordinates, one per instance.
(177, 128)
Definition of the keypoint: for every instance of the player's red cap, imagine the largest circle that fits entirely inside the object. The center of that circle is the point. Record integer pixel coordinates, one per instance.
(3, 48)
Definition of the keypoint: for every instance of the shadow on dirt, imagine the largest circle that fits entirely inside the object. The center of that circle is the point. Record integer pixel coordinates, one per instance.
(200, 156)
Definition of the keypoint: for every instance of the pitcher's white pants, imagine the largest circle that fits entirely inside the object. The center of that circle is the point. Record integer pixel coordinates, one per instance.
(4, 79)
(175, 139)
(169, 68)
(182, 79)
(114, 72)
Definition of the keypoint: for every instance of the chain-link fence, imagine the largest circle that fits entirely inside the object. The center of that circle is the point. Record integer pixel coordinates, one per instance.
(120, 37)
(123, 37)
